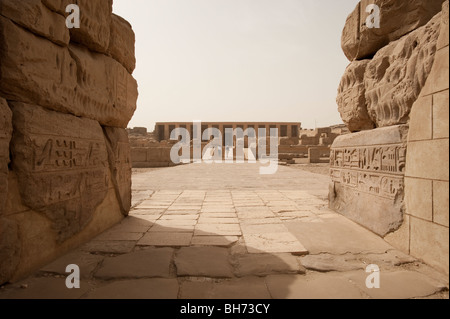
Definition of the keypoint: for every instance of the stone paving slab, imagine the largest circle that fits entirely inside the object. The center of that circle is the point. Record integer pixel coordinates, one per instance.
(322, 286)
(44, 288)
(266, 264)
(217, 229)
(109, 246)
(336, 236)
(166, 239)
(119, 236)
(137, 289)
(203, 262)
(86, 261)
(172, 229)
(220, 241)
(397, 284)
(248, 288)
(274, 243)
(152, 262)
(204, 220)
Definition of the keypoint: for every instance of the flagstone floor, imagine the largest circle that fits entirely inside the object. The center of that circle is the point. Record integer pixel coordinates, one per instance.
(225, 231)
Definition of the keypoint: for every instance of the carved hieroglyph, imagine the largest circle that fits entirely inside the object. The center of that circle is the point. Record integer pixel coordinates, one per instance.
(106, 85)
(397, 18)
(119, 155)
(81, 83)
(121, 44)
(94, 31)
(367, 171)
(62, 165)
(351, 98)
(5, 138)
(396, 75)
(36, 17)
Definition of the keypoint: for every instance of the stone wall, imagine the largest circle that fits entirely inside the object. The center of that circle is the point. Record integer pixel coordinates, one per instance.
(66, 97)
(425, 232)
(391, 174)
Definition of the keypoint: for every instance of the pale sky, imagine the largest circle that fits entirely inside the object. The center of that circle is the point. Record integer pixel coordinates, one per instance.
(237, 60)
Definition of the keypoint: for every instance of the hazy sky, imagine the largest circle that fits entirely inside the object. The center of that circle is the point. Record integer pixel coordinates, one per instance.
(237, 60)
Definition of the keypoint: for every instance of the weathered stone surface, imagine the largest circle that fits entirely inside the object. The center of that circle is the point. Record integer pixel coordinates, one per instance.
(242, 288)
(397, 284)
(397, 18)
(58, 6)
(9, 249)
(80, 82)
(367, 171)
(166, 239)
(62, 167)
(109, 246)
(336, 236)
(95, 23)
(156, 288)
(266, 264)
(203, 262)
(45, 288)
(444, 34)
(107, 86)
(87, 263)
(119, 153)
(153, 262)
(5, 138)
(36, 17)
(327, 263)
(121, 44)
(396, 75)
(351, 98)
(321, 286)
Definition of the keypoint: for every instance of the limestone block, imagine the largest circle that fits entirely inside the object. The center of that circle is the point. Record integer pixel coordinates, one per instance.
(440, 203)
(367, 171)
(85, 84)
(421, 121)
(438, 80)
(419, 198)
(397, 18)
(351, 98)
(95, 22)
(58, 6)
(396, 75)
(121, 44)
(10, 248)
(119, 155)
(425, 159)
(106, 86)
(441, 115)
(5, 138)
(46, 73)
(61, 163)
(34, 16)
(430, 242)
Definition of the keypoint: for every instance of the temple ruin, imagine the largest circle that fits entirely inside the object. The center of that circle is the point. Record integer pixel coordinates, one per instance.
(65, 169)
(391, 174)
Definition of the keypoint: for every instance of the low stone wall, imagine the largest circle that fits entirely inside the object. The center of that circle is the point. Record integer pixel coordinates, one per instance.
(66, 97)
(394, 179)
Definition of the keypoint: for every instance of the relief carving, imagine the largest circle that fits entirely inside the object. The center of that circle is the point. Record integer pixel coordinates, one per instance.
(62, 168)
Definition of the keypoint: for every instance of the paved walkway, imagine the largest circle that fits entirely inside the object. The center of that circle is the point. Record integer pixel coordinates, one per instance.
(224, 231)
